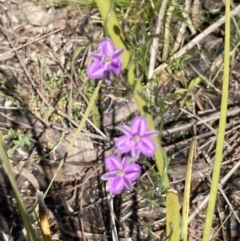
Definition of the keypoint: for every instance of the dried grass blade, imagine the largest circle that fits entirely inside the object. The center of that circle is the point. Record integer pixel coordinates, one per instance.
(43, 216)
(187, 191)
(5, 163)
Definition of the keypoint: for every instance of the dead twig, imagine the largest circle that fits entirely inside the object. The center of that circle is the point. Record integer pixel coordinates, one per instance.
(197, 39)
(154, 46)
(205, 200)
(213, 117)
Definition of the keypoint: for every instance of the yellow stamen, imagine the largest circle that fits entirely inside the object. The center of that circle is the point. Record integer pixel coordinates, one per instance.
(137, 138)
(106, 59)
(120, 173)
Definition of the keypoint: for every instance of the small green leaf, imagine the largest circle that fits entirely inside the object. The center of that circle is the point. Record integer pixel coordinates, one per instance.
(181, 91)
(194, 82)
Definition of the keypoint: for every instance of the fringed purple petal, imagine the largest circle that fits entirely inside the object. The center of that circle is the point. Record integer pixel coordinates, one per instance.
(106, 48)
(116, 67)
(124, 144)
(117, 54)
(95, 56)
(147, 147)
(125, 163)
(139, 125)
(133, 172)
(128, 184)
(109, 175)
(135, 153)
(96, 70)
(125, 130)
(113, 163)
(116, 185)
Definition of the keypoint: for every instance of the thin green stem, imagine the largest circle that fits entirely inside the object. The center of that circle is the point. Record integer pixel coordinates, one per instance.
(221, 131)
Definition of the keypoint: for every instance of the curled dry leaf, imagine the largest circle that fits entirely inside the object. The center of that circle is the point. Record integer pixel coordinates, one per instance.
(120, 114)
(23, 172)
(82, 152)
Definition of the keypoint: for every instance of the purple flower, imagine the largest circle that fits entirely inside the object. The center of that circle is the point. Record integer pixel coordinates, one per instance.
(136, 139)
(105, 62)
(121, 174)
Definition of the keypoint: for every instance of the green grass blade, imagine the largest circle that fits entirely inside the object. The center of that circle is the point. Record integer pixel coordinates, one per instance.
(221, 130)
(8, 169)
(172, 216)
